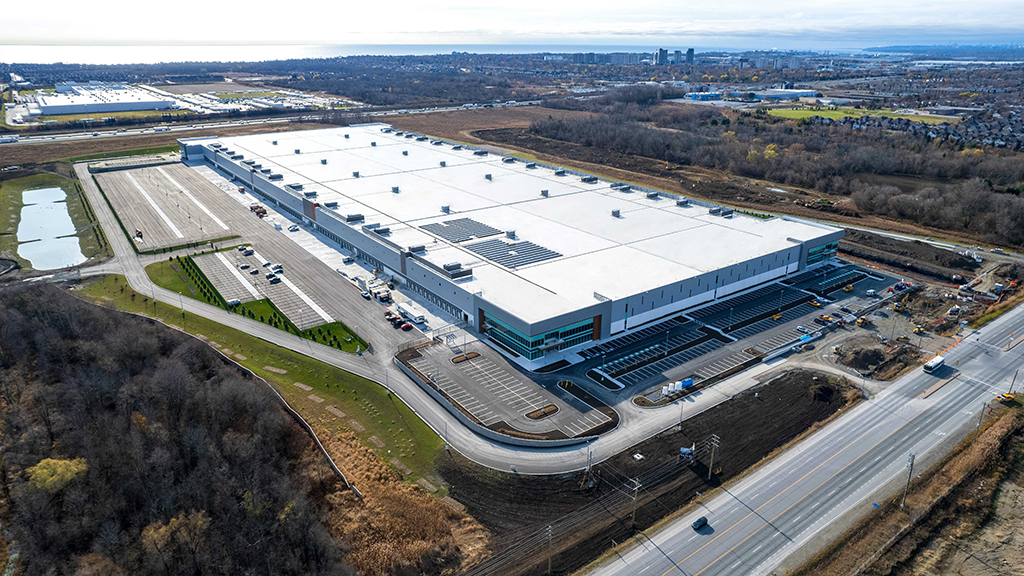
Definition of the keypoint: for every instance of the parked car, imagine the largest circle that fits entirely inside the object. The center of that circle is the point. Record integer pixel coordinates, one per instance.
(700, 523)
(406, 326)
(275, 280)
(243, 266)
(365, 294)
(802, 329)
(254, 271)
(242, 248)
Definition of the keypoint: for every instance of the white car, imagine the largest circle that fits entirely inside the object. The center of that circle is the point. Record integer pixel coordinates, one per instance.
(802, 329)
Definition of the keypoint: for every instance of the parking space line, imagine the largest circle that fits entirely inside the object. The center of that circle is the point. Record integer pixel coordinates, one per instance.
(193, 198)
(155, 207)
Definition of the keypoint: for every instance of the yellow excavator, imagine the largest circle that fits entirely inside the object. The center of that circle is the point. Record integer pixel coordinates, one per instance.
(899, 306)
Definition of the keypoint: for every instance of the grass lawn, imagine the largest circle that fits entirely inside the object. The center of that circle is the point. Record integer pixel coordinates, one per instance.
(230, 95)
(840, 113)
(120, 153)
(99, 116)
(383, 416)
(194, 286)
(91, 241)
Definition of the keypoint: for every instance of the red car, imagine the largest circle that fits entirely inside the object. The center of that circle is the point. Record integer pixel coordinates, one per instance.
(406, 326)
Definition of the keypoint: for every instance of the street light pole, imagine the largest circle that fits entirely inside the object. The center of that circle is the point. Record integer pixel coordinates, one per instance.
(910, 474)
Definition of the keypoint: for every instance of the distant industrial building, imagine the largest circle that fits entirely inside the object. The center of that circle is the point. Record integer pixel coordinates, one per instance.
(776, 94)
(95, 98)
(539, 258)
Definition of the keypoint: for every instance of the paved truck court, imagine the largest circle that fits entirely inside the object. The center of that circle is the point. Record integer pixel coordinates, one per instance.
(150, 200)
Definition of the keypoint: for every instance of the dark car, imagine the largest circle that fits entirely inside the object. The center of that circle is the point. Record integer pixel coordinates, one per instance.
(700, 523)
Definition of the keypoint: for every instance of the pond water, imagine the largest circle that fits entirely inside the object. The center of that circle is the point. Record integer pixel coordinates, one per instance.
(43, 218)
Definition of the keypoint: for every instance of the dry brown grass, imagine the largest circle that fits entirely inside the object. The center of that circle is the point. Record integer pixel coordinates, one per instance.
(397, 528)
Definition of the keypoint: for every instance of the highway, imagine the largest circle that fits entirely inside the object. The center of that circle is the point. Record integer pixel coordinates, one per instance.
(755, 524)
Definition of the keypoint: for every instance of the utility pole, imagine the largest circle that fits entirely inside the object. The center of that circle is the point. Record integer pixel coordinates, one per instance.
(636, 490)
(1014, 381)
(910, 474)
(714, 440)
(549, 548)
(977, 430)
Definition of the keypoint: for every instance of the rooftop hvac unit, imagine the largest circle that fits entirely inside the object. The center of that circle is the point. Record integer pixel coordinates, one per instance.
(310, 194)
(653, 195)
(508, 160)
(373, 226)
(437, 142)
(615, 213)
(353, 218)
(625, 188)
(382, 230)
(276, 177)
(248, 162)
(399, 132)
(297, 151)
(452, 266)
(417, 249)
(511, 234)
(727, 211)
(460, 273)
(405, 152)
(559, 172)
(410, 135)
(588, 179)
(387, 130)
(355, 174)
(346, 136)
(683, 202)
(331, 204)
(446, 209)
(323, 160)
(373, 143)
(265, 170)
(488, 176)
(544, 193)
(480, 152)
(216, 145)
(394, 189)
(715, 211)
(531, 164)
(421, 138)
(443, 164)
(456, 147)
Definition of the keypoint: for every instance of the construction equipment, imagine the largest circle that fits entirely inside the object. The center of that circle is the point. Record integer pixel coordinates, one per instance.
(899, 306)
(1006, 398)
(918, 330)
(848, 288)
(862, 322)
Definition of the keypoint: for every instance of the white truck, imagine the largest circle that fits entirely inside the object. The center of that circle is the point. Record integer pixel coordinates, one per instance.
(412, 312)
(9, 138)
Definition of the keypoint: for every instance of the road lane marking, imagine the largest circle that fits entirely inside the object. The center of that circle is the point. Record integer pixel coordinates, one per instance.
(804, 496)
(155, 207)
(193, 198)
(797, 481)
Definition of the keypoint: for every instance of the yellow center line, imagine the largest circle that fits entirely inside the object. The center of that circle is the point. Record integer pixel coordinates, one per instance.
(806, 495)
(797, 481)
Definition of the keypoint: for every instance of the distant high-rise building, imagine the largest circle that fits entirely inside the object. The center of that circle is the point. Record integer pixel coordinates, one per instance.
(689, 56)
(661, 57)
(678, 59)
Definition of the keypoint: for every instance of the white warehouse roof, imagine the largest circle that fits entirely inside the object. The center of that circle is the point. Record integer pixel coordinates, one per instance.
(652, 243)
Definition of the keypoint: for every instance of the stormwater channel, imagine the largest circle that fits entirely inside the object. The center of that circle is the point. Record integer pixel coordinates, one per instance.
(46, 233)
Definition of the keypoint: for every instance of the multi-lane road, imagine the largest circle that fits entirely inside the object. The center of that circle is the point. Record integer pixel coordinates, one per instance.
(757, 523)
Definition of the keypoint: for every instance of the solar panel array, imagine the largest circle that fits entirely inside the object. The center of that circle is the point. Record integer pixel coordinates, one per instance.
(512, 255)
(461, 229)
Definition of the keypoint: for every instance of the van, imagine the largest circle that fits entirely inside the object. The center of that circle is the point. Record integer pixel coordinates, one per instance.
(870, 293)
(234, 302)
(248, 252)
(348, 259)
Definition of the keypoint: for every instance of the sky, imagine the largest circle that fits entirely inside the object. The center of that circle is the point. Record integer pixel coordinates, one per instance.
(741, 24)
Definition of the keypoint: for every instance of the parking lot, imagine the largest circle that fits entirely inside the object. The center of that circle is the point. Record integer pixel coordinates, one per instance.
(154, 202)
(493, 393)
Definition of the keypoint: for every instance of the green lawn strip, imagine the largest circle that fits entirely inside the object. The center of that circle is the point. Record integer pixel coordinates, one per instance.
(840, 113)
(163, 274)
(120, 153)
(382, 415)
(99, 116)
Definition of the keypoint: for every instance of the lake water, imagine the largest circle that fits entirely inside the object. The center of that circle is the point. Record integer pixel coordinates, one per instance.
(43, 218)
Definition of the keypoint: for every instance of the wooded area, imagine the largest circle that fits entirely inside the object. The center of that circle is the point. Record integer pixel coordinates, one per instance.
(962, 188)
(130, 448)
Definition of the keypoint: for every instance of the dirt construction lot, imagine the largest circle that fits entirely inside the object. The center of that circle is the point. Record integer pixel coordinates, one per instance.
(588, 513)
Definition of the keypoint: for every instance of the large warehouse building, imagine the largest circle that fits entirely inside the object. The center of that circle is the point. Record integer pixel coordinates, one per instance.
(96, 98)
(541, 259)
